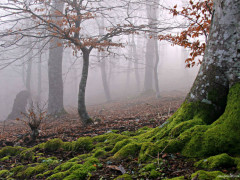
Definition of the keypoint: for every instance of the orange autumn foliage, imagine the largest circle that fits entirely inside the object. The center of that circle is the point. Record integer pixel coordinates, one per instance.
(199, 14)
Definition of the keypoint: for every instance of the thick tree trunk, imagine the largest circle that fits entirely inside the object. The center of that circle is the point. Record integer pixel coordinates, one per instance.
(221, 64)
(151, 54)
(208, 123)
(55, 95)
(82, 89)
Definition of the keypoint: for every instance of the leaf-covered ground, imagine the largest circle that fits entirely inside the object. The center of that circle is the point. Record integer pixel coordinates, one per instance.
(122, 115)
(114, 147)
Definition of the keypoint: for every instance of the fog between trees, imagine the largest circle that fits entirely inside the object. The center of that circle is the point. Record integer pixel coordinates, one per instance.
(119, 66)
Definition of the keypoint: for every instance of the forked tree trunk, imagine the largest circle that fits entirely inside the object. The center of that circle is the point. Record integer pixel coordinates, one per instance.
(82, 89)
(208, 121)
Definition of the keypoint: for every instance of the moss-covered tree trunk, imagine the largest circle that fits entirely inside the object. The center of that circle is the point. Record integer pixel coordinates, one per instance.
(221, 66)
(208, 122)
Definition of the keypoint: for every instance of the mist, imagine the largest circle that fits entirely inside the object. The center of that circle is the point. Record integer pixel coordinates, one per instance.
(124, 66)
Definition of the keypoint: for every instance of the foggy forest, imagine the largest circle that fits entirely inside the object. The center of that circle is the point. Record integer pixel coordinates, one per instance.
(127, 89)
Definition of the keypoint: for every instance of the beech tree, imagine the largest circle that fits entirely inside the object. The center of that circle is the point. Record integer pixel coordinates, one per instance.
(55, 81)
(208, 123)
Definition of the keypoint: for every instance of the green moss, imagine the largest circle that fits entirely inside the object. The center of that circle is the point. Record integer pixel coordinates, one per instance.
(154, 174)
(68, 146)
(81, 171)
(149, 167)
(99, 153)
(183, 126)
(84, 144)
(17, 169)
(10, 151)
(109, 138)
(208, 175)
(63, 167)
(218, 161)
(196, 130)
(130, 150)
(27, 155)
(148, 151)
(31, 171)
(51, 161)
(177, 178)
(58, 176)
(4, 173)
(124, 177)
(120, 144)
(5, 158)
(237, 163)
(53, 145)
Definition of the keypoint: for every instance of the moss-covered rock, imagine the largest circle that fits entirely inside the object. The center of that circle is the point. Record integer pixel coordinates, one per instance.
(83, 144)
(27, 154)
(63, 167)
(124, 177)
(130, 150)
(58, 176)
(218, 161)
(209, 175)
(53, 145)
(99, 153)
(10, 151)
(120, 144)
(32, 171)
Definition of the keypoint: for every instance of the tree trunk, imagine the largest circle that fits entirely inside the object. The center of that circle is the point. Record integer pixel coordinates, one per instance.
(29, 66)
(156, 69)
(221, 66)
(103, 64)
(55, 94)
(82, 88)
(39, 77)
(152, 11)
(208, 121)
(135, 57)
(149, 57)
(104, 77)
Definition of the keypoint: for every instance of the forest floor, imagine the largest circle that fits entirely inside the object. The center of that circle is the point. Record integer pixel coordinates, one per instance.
(116, 116)
(120, 115)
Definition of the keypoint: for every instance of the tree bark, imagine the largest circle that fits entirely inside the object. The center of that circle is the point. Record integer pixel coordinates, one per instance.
(55, 94)
(82, 89)
(221, 64)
